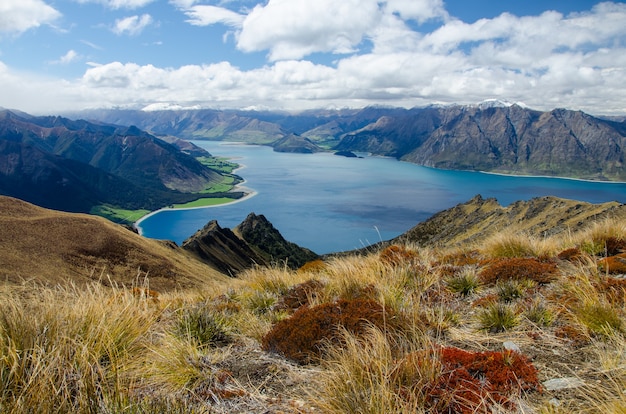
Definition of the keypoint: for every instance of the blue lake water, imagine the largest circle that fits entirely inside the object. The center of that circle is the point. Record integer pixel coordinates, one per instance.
(329, 203)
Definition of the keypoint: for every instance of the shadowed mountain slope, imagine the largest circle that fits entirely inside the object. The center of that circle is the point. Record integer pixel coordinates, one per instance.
(75, 165)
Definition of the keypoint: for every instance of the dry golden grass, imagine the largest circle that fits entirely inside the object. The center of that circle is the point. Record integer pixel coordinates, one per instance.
(91, 348)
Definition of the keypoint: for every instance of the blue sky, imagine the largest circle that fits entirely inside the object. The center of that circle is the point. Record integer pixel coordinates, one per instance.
(59, 55)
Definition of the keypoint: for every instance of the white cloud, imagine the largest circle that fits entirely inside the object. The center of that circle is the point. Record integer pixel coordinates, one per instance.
(203, 15)
(132, 25)
(19, 16)
(576, 61)
(420, 10)
(292, 29)
(119, 4)
(67, 58)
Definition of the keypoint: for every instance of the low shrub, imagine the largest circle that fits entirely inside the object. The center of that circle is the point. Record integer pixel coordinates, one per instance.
(614, 290)
(469, 382)
(398, 255)
(313, 266)
(542, 272)
(303, 336)
(299, 295)
(613, 264)
(573, 254)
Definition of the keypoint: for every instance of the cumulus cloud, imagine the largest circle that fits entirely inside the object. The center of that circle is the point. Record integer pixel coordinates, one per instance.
(132, 25)
(292, 29)
(119, 4)
(19, 16)
(576, 61)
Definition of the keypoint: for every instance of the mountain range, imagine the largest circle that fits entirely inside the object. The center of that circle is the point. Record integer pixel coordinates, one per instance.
(493, 137)
(76, 165)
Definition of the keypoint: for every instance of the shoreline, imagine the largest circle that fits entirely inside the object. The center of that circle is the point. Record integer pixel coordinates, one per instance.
(251, 193)
(585, 180)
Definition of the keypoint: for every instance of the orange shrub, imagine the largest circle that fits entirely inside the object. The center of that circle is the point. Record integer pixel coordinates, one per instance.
(517, 268)
(614, 289)
(472, 382)
(614, 246)
(613, 264)
(303, 336)
(313, 266)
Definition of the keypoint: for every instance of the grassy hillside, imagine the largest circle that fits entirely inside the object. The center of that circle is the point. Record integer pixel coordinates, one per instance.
(510, 324)
(42, 246)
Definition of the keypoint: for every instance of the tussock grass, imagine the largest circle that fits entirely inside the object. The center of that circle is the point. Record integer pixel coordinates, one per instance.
(100, 350)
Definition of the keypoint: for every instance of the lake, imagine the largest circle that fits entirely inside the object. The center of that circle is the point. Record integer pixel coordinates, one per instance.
(330, 203)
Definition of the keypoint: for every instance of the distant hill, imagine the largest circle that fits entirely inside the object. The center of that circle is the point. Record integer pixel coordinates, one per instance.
(75, 165)
(492, 137)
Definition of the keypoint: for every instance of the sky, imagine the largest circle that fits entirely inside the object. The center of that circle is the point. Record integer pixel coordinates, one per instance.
(67, 55)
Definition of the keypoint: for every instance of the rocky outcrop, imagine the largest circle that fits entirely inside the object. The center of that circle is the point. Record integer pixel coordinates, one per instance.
(259, 233)
(253, 242)
(222, 249)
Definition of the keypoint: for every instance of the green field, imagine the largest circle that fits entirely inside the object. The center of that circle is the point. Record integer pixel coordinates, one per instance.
(118, 215)
(204, 202)
(220, 164)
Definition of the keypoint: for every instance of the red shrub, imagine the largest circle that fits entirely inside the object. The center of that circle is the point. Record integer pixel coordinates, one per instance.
(614, 289)
(573, 254)
(398, 255)
(299, 295)
(517, 268)
(614, 246)
(471, 382)
(301, 337)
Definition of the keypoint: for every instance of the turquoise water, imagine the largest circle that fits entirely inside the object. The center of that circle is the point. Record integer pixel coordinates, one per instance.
(330, 203)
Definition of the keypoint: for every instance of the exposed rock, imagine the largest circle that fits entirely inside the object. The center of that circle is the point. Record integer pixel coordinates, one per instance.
(222, 249)
(259, 233)
(556, 384)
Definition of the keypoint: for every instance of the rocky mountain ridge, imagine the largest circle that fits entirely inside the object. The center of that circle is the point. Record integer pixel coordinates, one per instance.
(510, 139)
